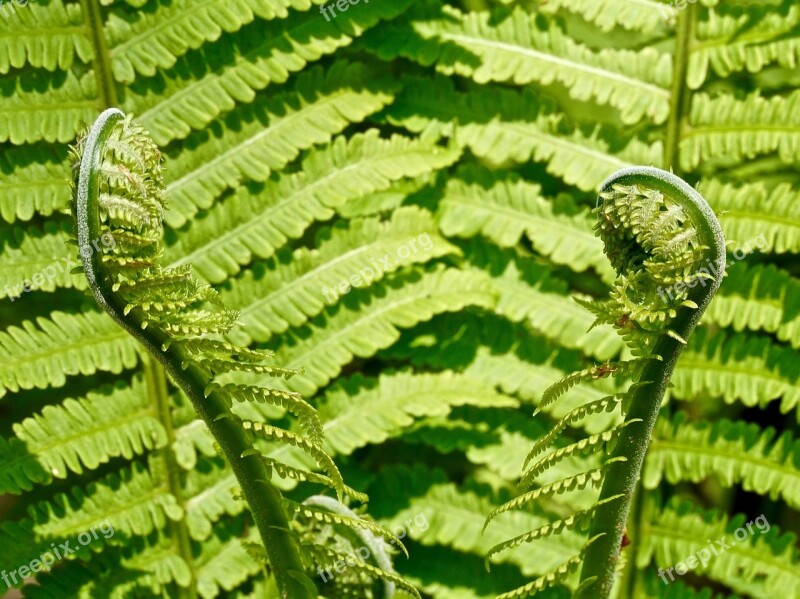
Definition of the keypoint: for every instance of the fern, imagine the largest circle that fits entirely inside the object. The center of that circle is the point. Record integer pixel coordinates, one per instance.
(176, 319)
(656, 231)
(301, 145)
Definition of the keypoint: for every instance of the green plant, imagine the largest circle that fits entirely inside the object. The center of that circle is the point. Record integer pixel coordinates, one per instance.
(659, 234)
(301, 151)
(119, 194)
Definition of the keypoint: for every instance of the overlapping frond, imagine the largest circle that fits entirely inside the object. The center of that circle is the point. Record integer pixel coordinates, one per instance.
(259, 219)
(520, 47)
(501, 125)
(79, 435)
(734, 452)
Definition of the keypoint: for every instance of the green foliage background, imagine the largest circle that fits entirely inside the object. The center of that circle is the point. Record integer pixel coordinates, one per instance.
(298, 151)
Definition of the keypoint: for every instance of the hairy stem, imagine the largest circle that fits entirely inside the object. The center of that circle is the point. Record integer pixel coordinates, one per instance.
(597, 576)
(251, 473)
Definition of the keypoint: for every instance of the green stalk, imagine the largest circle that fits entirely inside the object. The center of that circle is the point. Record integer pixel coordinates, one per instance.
(599, 566)
(251, 473)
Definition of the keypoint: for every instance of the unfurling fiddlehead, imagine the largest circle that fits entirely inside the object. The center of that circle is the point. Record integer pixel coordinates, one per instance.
(668, 250)
(119, 199)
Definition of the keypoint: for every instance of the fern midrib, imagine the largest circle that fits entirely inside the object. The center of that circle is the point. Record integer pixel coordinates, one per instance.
(754, 128)
(786, 220)
(733, 40)
(468, 42)
(55, 106)
(679, 95)
(688, 363)
(58, 31)
(565, 144)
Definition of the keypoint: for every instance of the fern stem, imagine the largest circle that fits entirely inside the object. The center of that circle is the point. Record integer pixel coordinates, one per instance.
(251, 473)
(629, 582)
(157, 389)
(102, 61)
(679, 98)
(622, 476)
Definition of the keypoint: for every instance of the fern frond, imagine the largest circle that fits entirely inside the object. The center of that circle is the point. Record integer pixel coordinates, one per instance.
(598, 371)
(272, 433)
(79, 435)
(132, 501)
(43, 36)
(520, 47)
(51, 108)
(260, 219)
(311, 512)
(741, 129)
(634, 15)
(761, 564)
(268, 53)
(607, 404)
(554, 577)
(32, 181)
(527, 292)
(736, 452)
(362, 331)
(42, 354)
(119, 159)
(525, 127)
(759, 298)
(394, 401)
(730, 42)
(223, 565)
(505, 209)
(595, 443)
(319, 105)
(578, 482)
(288, 472)
(287, 291)
(154, 39)
(455, 519)
(578, 520)
(757, 218)
(764, 371)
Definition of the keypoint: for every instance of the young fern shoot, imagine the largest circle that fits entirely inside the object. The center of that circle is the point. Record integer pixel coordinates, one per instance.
(119, 197)
(667, 248)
